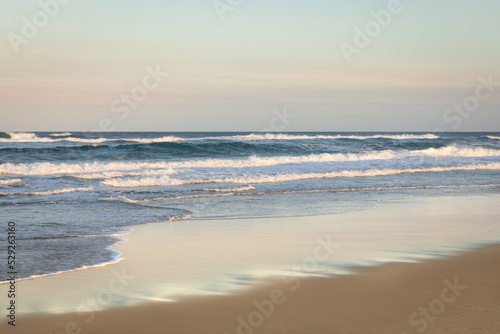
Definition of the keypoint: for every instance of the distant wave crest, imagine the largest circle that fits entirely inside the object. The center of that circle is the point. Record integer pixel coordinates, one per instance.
(65, 134)
(270, 136)
(21, 137)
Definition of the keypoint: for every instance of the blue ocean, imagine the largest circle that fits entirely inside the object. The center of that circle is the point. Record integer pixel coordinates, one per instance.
(74, 195)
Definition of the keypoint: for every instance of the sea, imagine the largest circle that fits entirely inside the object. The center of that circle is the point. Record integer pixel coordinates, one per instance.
(74, 195)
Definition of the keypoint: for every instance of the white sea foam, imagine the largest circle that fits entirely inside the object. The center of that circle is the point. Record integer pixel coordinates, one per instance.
(200, 196)
(55, 137)
(54, 192)
(147, 182)
(82, 140)
(65, 134)
(20, 136)
(47, 168)
(167, 181)
(280, 136)
(9, 182)
(454, 151)
(116, 174)
(167, 139)
(33, 138)
(223, 190)
(493, 137)
(119, 199)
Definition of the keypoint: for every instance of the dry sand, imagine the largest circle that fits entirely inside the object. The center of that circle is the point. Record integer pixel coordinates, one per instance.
(377, 300)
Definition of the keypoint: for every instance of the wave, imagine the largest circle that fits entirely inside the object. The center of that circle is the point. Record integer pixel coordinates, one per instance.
(65, 134)
(128, 200)
(47, 168)
(85, 170)
(21, 137)
(52, 192)
(454, 151)
(166, 139)
(4, 183)
(148, 182)
(167, 181)
(119, 199)
(493, 137)
(223, 190)
(279, 136)
(116, 174)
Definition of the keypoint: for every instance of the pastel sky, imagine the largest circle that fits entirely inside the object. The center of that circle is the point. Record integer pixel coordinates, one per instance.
(230, 63)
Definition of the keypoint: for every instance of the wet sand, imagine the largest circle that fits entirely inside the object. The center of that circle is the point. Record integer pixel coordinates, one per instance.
(460, 294)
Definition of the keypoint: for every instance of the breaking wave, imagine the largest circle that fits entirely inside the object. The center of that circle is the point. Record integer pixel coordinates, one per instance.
(65, 134)
(4, 183)
(53, 192)
(167, 181)
(21, 137)
(28, 137)
(270, 136)
(96, 170)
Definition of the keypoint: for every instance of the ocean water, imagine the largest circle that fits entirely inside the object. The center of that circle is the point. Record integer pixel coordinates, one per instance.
(72, 195)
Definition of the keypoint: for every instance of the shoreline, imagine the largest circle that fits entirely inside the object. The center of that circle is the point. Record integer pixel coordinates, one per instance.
(116, 259)
(130, 228)
(286, 241)
(169, 262)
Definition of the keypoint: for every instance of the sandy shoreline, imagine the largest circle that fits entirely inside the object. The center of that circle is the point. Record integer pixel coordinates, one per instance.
(230, 261)
(460, 294)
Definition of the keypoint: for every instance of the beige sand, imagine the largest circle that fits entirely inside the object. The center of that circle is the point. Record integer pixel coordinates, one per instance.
(378, 300)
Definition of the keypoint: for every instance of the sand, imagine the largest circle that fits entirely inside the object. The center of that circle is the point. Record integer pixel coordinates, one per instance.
(460, 294)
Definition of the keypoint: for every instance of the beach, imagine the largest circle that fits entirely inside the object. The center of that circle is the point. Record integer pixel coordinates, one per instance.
(247, 167)
(156, 288)
(379, 300)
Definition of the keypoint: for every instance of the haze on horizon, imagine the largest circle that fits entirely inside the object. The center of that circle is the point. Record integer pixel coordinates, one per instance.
(364, 65)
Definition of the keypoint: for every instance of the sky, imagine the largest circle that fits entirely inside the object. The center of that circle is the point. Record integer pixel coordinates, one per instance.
(235, 65)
